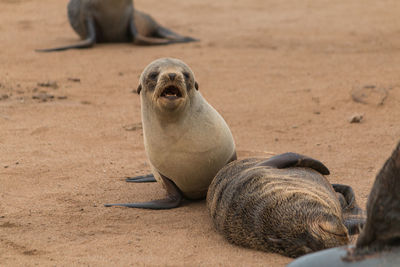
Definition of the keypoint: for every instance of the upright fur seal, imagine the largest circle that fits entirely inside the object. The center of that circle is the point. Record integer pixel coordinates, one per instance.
(100, 21)
(283, 204)
(379, 242)
(186, 140)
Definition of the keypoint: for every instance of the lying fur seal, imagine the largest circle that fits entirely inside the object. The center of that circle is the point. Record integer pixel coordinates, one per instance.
(100, 21)
(379, 242)
(187, 142)
(283, 204)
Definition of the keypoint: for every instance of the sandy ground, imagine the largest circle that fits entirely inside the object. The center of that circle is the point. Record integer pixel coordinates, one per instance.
(282, 74)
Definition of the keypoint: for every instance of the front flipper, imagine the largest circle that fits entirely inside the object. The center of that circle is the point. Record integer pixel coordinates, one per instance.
(159, 204)
(173, 199)
(287, 160)
(149, 178)
(88, 42)
(143, 40)
(353, 216)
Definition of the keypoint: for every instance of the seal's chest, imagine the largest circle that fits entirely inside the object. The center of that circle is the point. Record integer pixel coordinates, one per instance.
(112, 24)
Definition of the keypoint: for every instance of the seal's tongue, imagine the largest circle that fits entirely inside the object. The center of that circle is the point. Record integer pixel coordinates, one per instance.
(171, 93)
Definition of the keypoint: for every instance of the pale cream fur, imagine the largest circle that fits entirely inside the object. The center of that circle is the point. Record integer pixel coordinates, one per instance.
(189, 145)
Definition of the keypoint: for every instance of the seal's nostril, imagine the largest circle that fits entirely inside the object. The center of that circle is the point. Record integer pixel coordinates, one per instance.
(172, 76)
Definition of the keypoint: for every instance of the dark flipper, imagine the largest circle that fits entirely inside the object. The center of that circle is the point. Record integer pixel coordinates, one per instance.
(160, 204)
(350, 204)
(173, 199)
(88, 42)
(290, 159)
(143, 40)
(149, 178)
(353, 216)
(163, 32)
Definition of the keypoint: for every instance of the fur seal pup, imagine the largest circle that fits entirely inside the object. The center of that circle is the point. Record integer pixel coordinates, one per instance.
(379, 242)
(283, 204)
(186, 140)
(101, 21)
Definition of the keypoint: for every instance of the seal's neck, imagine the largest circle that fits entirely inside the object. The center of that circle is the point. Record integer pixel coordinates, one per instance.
(167, 118)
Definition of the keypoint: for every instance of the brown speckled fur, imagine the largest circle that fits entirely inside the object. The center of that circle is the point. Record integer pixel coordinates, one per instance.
(291, 211)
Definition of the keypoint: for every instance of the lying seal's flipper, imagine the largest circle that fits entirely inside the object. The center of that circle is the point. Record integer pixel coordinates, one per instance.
(173, 199)
(88, 42)
(353, 216)
(350, 204)
(287, 160)
(163, 32)
(149, 178)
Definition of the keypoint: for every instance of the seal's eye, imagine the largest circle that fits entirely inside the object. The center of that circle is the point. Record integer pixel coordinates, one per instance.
(186, 74)
(153, 75)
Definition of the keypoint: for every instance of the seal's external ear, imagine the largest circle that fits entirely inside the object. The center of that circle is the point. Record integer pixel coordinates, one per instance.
(196, 85)
(139, 89)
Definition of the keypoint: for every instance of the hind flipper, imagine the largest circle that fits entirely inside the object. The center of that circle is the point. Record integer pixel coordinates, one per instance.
(149, 178)
(353, 216)
(139, 39)
(290, 159)
(163, 32)
(173, 199)
(88, 42)
(350, 204)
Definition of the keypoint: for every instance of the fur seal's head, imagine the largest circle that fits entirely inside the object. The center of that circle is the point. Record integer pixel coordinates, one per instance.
(167, 84)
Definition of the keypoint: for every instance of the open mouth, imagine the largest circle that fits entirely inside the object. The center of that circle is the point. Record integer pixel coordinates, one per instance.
(171, 93)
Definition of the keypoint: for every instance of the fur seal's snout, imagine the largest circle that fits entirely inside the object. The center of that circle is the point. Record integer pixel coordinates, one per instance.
(171, 89)
(171, 92)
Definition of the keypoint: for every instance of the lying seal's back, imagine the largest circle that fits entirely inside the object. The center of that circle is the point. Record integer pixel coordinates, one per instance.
(282, 205)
